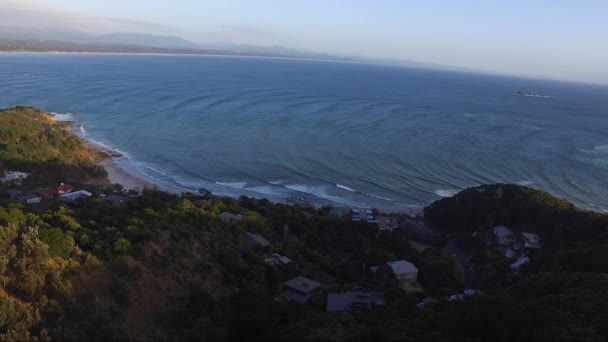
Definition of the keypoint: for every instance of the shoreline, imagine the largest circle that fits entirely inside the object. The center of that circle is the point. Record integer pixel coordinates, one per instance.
(132, 179)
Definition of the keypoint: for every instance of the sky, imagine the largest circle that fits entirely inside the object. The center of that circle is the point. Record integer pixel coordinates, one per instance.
(557, 39)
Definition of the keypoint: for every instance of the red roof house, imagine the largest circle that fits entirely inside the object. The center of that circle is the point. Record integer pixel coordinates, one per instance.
(64, 188)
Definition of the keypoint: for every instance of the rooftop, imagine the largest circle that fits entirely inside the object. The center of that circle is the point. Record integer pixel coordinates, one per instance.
(302, 284)
(502, 231)
(256, 239)
(352, 300)
(400, 267)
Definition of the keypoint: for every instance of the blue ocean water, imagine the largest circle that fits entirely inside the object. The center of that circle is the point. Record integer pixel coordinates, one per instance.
(321, 132)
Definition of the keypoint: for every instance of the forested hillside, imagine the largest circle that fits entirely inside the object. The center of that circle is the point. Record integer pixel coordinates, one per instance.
(157, 266)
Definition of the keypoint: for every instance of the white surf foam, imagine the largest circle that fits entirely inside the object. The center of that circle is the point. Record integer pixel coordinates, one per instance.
(344, 187)
(236, 185)
(62, 116)
(267, 190)
(157, 170)
(601, 148)
(382, 198)
(316, 191)
(596, 149)
(446, 192)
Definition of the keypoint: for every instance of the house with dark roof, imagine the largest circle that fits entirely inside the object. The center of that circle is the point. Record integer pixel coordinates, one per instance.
(30, 199)
(255, 240)
(301, 289)
(354, 300)
(115, 198)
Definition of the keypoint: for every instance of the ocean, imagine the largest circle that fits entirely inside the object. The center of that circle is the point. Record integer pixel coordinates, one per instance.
(324, 132)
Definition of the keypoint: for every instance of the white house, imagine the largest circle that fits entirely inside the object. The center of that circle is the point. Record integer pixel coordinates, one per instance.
(277, 259)
(504, 235)
(405, 272)
(10, 176)
(531, 240)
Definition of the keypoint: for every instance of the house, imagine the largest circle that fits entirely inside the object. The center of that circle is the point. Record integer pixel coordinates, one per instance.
(339, 212)
(275, 259)
(504, 236)
(115, 198)
(301, 289)
(426, 301)
(16, 176)
(531, 240)
(354, 300)
(365, 215)
(13, 194)
(64, 189)
(226, 216)
(72, 196)
(255, 240)
(406, 274)
(30, 199)
(387, 223)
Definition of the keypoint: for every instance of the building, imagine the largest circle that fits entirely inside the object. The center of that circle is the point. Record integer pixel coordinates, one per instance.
(30, 199)
(62, 189)
(255, 240)
(115, 198)
(387, 223)
(14, 176)
(301, 289)
(504, 236)
(226, 216)
(13, 194)
(275, 259)
(72, 196)
(406, 274)
(354, 300)
(531, 240)
(365, 215)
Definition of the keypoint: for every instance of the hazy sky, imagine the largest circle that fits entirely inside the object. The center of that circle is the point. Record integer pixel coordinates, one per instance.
(549, 38)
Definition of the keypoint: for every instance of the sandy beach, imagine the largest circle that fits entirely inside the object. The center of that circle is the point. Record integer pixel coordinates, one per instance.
(131, 182)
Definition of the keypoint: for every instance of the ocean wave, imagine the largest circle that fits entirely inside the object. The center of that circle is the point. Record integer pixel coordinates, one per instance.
(600, 163)
(596, 149)
(317, 191)
(347, 188)
(446, 192)
(344, 187)
(157, 170)
(236, 185)
(276, 182)
(267, 190)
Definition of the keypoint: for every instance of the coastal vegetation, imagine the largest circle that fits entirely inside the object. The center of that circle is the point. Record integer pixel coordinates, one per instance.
(160, 266)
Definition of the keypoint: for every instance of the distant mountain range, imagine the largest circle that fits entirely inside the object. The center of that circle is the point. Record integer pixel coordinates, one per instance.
(27, 26)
